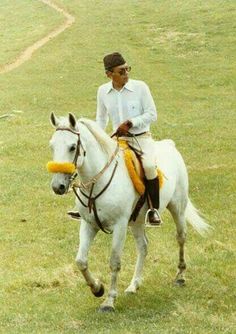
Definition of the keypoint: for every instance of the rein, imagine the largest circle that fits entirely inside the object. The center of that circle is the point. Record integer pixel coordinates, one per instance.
(95, 178)
(92, 200)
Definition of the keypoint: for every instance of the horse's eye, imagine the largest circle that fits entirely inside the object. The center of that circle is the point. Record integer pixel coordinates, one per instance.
(72, 148)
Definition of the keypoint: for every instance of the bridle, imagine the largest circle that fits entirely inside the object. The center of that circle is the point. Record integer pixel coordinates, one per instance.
(91, 205)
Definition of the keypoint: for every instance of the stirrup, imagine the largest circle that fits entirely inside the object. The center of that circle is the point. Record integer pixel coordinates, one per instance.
(74, 214)
(147, 222)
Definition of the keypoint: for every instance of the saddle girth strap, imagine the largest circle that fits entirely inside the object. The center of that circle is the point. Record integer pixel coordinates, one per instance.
(138, 207)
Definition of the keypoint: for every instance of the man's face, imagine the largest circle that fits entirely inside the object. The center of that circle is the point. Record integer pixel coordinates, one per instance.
(120, 74)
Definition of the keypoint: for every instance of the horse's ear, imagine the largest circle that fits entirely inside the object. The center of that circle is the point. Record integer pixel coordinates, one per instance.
(72, 120)
(54, 120)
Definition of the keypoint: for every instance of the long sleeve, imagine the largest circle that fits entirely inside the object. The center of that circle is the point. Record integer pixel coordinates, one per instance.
(149, 113)
(101, 114)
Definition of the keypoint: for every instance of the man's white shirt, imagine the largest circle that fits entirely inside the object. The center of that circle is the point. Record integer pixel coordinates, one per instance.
(133, 102)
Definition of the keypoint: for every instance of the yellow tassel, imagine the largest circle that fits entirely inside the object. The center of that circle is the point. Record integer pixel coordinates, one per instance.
(138, 184)
(160, 177)
(61, 167)
(135, 177)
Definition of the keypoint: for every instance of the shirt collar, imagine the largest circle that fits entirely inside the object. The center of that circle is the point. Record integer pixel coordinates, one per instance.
(109, 87)
(128, 86)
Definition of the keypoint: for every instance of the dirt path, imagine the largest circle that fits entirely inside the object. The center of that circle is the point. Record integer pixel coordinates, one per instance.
(27, 53)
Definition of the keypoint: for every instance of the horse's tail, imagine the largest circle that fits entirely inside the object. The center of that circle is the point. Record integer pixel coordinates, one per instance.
(193, 218)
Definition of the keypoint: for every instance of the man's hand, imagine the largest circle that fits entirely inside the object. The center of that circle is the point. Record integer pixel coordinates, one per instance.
(123, 129)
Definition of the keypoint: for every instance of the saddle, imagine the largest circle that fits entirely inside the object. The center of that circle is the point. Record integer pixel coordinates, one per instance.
(135, 168)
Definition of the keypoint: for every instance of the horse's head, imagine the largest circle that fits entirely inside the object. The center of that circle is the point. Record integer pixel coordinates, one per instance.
(67, 151)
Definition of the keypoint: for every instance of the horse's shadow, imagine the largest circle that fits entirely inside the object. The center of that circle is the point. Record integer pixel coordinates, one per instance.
(158, 300)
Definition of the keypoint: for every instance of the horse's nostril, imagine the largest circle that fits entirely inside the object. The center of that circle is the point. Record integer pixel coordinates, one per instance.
(59, 189)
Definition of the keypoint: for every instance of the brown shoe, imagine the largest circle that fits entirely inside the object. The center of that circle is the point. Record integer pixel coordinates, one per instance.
(154, 218)
(74, 214)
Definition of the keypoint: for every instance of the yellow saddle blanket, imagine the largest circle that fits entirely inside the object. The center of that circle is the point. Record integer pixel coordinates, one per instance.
(135, 168)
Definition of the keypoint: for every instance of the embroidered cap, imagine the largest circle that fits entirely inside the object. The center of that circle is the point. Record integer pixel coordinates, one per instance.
(112, 60)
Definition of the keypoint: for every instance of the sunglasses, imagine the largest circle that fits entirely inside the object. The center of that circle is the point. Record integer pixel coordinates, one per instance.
(123, 71)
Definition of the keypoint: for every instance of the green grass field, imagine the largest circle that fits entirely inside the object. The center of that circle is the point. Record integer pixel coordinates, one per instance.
(185, 51)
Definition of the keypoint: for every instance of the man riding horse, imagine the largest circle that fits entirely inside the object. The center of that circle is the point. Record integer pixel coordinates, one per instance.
(130, 106)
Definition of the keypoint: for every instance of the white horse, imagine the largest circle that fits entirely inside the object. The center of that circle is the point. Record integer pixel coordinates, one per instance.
(107, 197)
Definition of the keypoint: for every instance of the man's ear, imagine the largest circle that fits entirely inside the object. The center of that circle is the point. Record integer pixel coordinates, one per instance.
(109, 74)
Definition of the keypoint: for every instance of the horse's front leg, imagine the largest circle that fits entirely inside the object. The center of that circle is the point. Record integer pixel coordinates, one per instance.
(119, 235)
(87, 234)
(141, 244)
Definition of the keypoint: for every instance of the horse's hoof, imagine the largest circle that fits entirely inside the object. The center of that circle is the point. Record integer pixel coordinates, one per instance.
(106, 309)
(180, 282)
(130, 290)
(100, 292)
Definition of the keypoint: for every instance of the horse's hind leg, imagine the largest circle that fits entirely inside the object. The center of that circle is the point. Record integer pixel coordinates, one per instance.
(180, 222)
(87, 234)
(141, 245)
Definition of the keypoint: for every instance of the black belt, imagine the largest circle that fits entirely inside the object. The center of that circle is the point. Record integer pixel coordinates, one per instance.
(129, 134)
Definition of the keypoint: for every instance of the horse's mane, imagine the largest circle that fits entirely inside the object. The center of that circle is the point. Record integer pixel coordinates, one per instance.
(106, 142)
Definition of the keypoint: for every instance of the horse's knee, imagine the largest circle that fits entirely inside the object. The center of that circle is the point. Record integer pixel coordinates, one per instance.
(82, 265)
(145, 250)
(181, 237)
(115, 262)
(115, 265)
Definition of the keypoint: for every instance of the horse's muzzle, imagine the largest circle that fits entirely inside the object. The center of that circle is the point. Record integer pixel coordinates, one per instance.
(60, 185)
(61, 190)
